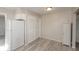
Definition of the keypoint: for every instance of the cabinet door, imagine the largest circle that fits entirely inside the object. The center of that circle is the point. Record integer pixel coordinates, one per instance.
(17, 34)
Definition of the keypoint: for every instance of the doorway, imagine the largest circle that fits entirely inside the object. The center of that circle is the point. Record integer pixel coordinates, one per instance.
(2, 32)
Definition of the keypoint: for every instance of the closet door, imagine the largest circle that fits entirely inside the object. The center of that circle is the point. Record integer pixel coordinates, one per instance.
(17, 33)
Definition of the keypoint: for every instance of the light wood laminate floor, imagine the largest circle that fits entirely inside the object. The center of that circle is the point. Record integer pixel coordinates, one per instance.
(44, 45)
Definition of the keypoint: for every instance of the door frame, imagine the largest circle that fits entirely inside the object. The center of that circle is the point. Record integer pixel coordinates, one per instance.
(7, 46)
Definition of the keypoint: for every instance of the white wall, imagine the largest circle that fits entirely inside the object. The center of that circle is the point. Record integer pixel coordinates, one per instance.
(53, 24)
(2, 25)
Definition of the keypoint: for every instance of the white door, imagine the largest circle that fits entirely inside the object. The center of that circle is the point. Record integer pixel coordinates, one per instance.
(67, 34)
(17, 33)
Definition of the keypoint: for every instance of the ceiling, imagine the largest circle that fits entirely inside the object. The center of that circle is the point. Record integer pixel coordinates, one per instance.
(40, 10)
